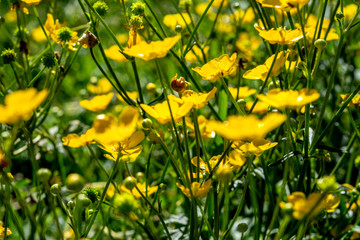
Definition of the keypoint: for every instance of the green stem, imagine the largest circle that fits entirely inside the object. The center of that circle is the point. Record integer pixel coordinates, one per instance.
(236, 105)
(36, 77)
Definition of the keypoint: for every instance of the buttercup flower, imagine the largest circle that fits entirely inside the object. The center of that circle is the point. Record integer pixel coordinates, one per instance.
(31, 2)
(247, 45)
(255, 147)
(161, 112)
(243, 92)
(114, 53)
(285, 5)
(354, 102)
(73, 140)
(244, 17)
(38, 35)
(141, 187)
(97, 103)
(310, 27)
(280, 35)
(260, 107)
(172, 20)
(2, 230)
(132, 95)
(51, 26)
(198, 99)
(195, 53)
(331, 202)
(155, 49)
(236, 158)
(198, 190)
(218, 67)
(292, 99)
(129, 149)
(20, 105)
(202, 121)
(108, 130)
(261, 71)
(246, 128)
(103, 86)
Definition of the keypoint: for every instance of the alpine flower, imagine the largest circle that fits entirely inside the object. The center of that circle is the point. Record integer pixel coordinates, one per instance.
(198, 190)
(280, 35)
(98, 103)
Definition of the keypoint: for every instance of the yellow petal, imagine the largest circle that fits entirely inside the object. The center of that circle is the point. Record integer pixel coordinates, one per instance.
(98, 103)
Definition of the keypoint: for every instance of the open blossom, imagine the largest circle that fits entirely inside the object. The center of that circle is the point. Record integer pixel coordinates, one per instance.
(155, 49)
(246, 128)
(2, 230)
(218, 67)
(292, 99)
(202, 121)
(97, 103)
(261, 71)
(197, 189)
(101, 87)
(161, 112)
(31, 2)
(242, 93)
(172, 20)
(280, 35)
(311, 28)
(75, 141)
(198, 99)
(21, 104)
(141, 187)
(255, 147)
(285, 5)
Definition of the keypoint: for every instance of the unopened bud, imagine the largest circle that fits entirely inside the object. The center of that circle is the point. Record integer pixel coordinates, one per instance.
(339, 15)
(178, 84)
(130, 182)
(320, 43)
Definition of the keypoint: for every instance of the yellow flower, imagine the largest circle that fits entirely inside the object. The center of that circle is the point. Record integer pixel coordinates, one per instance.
(246, 128)
(108, 130)
(20, 105)
(331, 202)
(132, 95)
(224, 24)
(198, 190)
(38, 35)
(236, 158)
(2, 230)
(261, 71)
(247, 45)
(141, 187)
(97, 103)
(129, 149)
(310, 27)
(161, 112)
(285, 5)
(73, 140)
(280, 35)
(245, 17)
(243, 92)
(199, 100)
(354, 102)
(114, 53)
(302, 205)
(255, 147)
(202, 121)
(217, 3)
(350, 11)
(292, 99)
(103, 86)
(31, 2)
(195, 54)
(260, 107)
(51, 26)
(155, 49)
(218, 67)
(171, 20)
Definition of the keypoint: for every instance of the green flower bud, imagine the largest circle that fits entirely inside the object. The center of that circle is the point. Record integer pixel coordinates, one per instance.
(357, 162)
(92, 194)
(339, 15)
(287, 208)
(83, 201)
(55, 189)
(178, 28)
(44, 174)
(49, 60)
(147, 123)
(75, 182)
(236, 5)
(101, 7)
(163, 186)
(64, 34)
(125, 203)
(138, 8)
(136, 21)
(320, 43)
(242, 227)
(71, 205)
(8, 56)
(140, 176)
(130, 182)
(327, 183)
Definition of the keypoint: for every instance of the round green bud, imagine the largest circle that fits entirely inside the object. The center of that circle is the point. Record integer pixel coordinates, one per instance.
(138, 8)
(136, 21)
(75, 182)
(44, 174)
(83, 201)
(101, 7)
(357, 162)
(241, 102)
(287, 208)
(130, 182)
(8, 56)
(147, 123)
(327, 183)
(242, 227)
(55, 189)
(125, 203)
(339, 15)
(71, 205)
(320, 43)
(49, 60)
(90, 212)
(236, 5)
(178, 28)
(163, 186)
(64, 34)
(140, 176)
